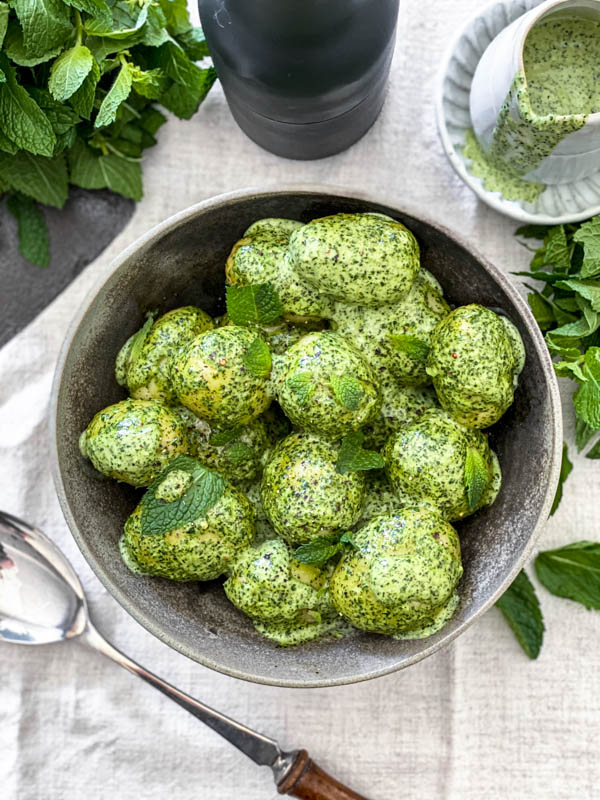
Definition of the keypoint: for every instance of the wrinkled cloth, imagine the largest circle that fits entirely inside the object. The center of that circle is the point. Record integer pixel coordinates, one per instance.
(475, 720)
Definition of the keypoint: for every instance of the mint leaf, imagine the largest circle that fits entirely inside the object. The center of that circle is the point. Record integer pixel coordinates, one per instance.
(521, 609)
(149, 83)
(318, 551)
(123, 23)
(95, 8)
(411, 345)
(220, 438)
(203, 491)
(569, 369)
(238, 453)
(558, 252)
(588, 235)
(565, 471)
(184, 101)
(352, 457)
(4, 11)
(532, 232)
(347, 390)
(140, 337)
(33, 234)
(589, 289)
(587, 398)
(83, 99)
(14, 48)
(95, 171)
(477, 477)
(572, 571)
(176, 15)
(193, 42)
(43, 179)
(541, 310)
(23, 121)
(256, 304)
(302, 385)
(46, 24)
(69, 71)
(257, 359)
(117, 94)
(583, 433)
(594, 452)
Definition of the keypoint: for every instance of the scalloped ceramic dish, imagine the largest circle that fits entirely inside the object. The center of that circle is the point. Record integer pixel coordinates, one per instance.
(182, 261)
(566, 202)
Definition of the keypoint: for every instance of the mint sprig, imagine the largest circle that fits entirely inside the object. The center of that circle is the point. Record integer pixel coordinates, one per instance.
(194, 493)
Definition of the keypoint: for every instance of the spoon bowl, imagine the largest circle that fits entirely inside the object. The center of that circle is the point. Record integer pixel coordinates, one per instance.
(41, 597)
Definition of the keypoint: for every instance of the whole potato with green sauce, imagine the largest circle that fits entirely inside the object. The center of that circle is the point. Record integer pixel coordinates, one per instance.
(427, 460)
(285, 599)
(475, 360)
(142, 364)
(133, 440)
(369, 259)
(325, 386)
(211, 378)
(380, 333)
(400, 576)
(237, 453)
(262, 257)
(199, 550)
(303, 495)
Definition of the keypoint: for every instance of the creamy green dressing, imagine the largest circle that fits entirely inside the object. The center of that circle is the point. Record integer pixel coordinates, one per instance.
(550, 97)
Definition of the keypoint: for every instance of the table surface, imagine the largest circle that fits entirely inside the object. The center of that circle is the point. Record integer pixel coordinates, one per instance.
(475, 720)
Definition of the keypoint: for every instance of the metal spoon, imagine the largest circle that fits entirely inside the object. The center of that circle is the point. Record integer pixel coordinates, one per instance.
(42, 601)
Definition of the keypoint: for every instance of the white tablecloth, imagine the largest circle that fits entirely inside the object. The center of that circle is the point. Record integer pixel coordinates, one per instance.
(476, 720)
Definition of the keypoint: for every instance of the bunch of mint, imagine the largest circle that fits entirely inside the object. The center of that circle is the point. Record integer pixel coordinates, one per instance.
(567, 309)
(80, 82)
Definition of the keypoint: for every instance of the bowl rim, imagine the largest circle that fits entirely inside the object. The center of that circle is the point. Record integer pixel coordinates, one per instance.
(224, 199)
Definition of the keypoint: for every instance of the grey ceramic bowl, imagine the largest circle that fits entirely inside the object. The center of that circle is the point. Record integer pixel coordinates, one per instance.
(181, 261)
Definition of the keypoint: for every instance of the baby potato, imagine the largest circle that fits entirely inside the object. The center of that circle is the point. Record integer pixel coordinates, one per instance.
(426, 460)
(133, 440)
(302, 493)
(199, 550)
(144, 370)
(400, 575)
(369, 259)
(475, 360)
(324, 385)
(211, 379)
(261, 256)
(284, 598)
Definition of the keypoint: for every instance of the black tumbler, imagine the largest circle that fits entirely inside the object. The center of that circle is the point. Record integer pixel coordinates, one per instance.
(303, 78)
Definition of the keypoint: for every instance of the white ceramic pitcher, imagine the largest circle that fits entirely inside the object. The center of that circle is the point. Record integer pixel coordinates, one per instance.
(493, 104)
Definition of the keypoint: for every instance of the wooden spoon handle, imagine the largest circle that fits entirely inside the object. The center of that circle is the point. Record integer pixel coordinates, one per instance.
(309, 782)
